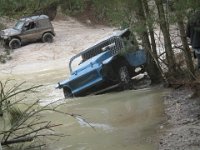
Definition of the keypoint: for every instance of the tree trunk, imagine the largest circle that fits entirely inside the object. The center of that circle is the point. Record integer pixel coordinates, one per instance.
(186, 49)
(1, 112)
(152, 67)
(151, 31)
(0, 146)
(188, 57)
(167, 41)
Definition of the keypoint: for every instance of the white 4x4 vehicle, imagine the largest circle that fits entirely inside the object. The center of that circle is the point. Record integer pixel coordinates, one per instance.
(27, 30)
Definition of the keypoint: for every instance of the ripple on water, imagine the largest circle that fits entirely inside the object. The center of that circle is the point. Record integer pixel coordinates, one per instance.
(105, 127)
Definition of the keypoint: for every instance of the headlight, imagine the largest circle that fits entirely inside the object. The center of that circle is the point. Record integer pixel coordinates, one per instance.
(4, 36)
(58, 85)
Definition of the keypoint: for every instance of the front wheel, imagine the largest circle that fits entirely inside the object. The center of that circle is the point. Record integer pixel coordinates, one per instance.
(14, 43)
(67, 93)
(124, 78)
(47, 38)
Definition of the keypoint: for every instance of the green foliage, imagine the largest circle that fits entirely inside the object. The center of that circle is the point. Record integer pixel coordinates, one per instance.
(17, 8)
(117, 12)
(22, 117)
(181, 8)
(15, 115)
(19, 125)
(192, 4)
(2, 26)
(72, 6)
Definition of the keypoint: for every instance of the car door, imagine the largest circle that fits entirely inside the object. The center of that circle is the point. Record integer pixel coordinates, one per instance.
(30, 32)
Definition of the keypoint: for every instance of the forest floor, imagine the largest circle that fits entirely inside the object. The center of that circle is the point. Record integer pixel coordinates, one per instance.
(182, 128)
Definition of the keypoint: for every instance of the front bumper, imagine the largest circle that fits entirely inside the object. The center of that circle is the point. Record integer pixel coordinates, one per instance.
(4, 37)
(57, 86)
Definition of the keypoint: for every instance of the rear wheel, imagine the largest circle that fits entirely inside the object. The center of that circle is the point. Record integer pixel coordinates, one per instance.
(124, 78)
(47, 38)
(14, 43)
(67, 93)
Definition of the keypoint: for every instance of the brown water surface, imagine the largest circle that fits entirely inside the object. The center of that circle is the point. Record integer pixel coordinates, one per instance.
(127, 120)
(120, 121)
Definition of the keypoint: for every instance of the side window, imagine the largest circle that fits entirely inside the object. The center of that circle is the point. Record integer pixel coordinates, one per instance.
(130, 43)
(30, 25)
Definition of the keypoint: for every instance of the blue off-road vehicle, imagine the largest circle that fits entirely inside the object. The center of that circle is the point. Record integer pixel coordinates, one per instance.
(108, 64)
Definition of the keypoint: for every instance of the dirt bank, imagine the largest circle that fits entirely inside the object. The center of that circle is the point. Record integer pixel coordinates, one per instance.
(71, 38)
(182, 131)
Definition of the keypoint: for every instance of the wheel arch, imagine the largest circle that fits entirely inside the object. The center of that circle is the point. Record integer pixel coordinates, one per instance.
(11, 41)
(15, 37)
(119, 61)
(48, 32)
(67, 88)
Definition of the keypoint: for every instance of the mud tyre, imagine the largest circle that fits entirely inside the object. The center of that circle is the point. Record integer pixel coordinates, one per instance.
(67, 93)
(14, 43)
(124, 77)
(47, 38)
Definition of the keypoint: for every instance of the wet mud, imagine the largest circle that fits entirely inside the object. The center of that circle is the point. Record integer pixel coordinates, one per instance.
(181, 131)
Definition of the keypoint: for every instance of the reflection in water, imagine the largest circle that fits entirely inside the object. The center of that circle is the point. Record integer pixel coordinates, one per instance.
(83, 123)
(120, 121)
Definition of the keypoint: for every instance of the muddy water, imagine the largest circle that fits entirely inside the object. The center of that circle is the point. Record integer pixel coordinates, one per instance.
(121, 121)
(128, 120)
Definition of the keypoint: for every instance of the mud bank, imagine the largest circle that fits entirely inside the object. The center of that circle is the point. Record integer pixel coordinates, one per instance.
(182, 128)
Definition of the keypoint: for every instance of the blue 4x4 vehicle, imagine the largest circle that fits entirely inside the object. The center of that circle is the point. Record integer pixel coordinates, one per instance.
(109, 63)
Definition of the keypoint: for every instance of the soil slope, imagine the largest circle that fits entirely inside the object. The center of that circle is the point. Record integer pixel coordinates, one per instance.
(182, 131)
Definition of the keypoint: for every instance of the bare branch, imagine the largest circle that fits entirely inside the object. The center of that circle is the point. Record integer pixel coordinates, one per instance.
(20, 140)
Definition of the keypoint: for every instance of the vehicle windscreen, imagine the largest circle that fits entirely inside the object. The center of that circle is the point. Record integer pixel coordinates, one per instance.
(19, 25)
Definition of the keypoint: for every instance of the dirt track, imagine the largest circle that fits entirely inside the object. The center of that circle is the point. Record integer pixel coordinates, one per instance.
(71, 38)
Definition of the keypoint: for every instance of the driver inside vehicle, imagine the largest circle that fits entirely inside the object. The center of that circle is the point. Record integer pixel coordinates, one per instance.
(30, 25)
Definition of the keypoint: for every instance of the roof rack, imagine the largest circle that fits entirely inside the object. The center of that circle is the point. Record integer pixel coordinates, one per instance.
(34, 17)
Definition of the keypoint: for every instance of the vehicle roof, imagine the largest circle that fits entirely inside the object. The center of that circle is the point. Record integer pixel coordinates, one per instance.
(117, 33)
(34, 18)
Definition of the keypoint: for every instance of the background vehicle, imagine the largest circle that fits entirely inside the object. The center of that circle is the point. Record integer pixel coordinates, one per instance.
(27, 30)
(108, 64)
